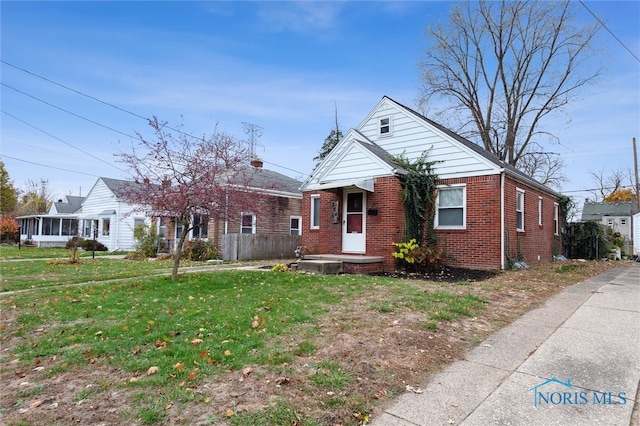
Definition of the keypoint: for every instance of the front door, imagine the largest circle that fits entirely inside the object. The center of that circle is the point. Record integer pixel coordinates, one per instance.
(354, 222)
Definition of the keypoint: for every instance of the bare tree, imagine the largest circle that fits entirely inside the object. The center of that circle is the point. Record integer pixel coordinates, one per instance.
(505, 66)
(606, 185)
(178, 177)
(35, 199)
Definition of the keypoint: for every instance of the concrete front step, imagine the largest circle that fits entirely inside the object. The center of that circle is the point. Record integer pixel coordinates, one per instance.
(322, 267)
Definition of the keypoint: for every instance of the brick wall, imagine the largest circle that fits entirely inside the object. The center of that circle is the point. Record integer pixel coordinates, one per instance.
(476, 247)
(536, 242)
(383, 228)
(272, 217)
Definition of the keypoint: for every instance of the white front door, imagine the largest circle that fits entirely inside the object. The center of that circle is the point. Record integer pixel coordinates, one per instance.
(354, 222)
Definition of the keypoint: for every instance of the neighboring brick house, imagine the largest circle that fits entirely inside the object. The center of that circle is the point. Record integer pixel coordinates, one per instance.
(487, 211)
(276, 209)
(617, 215)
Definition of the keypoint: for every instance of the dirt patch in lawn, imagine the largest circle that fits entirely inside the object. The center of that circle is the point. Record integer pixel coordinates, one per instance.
(355, 361)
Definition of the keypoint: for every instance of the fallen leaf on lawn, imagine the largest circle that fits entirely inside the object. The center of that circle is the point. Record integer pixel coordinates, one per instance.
(246, 371)
(133, 379)
(38, 368)
(229, 412)
(227, 352)
(207, 400)
(193, 375)
(204, 354)
(283, 381)
(168, 406)
(255, 324)
(35, 404)
(196, 341)
(179, 366)
(99, 333)
(152, 370)
(191, 297)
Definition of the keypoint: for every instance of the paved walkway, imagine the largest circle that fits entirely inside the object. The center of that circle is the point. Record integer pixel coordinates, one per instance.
(573, 361)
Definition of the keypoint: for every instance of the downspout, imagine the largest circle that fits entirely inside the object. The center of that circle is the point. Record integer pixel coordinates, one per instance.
(502, 255)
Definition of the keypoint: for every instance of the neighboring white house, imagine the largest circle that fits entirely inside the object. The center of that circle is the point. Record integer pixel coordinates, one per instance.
(108, 217)
(102, 213)
(52, 229)
(617, 215)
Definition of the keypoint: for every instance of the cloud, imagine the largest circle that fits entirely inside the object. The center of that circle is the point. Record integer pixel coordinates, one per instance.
(300, 17)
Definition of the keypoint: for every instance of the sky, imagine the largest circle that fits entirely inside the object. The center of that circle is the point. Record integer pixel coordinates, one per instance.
(78, 79)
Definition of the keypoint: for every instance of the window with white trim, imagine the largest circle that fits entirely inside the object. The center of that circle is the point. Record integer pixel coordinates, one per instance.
(610, 222)
(248, 223)
(106, 227)
(623, 221)
(451, 207)
(540, 211)
(556, 219)
(315, 212)
(519, 210)
(200, 226)
(295, 225)
(385, 126)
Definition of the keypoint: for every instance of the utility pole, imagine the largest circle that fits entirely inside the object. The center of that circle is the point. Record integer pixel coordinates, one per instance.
(635, 169)
(254, 131)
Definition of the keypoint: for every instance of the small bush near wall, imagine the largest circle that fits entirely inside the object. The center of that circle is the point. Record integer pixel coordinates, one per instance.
(200, 250)
(91, 245)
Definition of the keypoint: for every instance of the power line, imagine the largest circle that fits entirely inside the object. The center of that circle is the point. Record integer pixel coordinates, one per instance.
(44, 165)
(104, 103)
(61, 140)
(74, 90)
(147, 119)
(610, 32)
(67, 111)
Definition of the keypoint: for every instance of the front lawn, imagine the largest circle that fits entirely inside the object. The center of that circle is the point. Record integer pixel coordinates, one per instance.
(234, 347)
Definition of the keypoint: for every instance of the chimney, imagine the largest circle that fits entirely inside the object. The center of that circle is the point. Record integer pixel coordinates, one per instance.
(256, 162)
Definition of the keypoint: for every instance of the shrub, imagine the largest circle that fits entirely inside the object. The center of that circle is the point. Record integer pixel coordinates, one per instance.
(199, 250)
(280, 267)
(74, 242)
(413, 257)
(404, 253)
(8, 228)
(88, 245)
(146, 240)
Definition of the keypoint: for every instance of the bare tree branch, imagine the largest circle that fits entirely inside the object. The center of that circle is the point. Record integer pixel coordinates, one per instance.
(504, 67)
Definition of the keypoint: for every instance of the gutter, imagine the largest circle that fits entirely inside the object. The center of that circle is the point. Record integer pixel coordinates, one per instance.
(502, 254)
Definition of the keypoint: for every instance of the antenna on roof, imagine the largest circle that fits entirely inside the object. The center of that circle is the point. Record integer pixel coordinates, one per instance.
(254, 131)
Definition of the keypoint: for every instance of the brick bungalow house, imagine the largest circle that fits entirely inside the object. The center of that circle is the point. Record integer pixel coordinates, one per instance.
(275, 209)
(486, 210)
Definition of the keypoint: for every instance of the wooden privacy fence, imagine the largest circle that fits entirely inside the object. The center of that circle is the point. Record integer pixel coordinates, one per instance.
(258, 247)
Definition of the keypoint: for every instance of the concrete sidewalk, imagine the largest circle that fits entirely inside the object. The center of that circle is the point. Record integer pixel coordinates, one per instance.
(574, 361)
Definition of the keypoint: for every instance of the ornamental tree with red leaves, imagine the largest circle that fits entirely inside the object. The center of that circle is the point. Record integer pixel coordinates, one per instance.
(177, 176)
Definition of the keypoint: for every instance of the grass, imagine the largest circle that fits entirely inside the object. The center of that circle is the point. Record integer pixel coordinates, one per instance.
(204, 325)
(13, 252)
(41, 273)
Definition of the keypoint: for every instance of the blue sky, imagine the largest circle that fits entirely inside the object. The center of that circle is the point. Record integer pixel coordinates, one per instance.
(280, 65)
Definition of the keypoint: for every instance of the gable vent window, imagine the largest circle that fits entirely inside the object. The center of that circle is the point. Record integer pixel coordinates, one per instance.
(385, 126)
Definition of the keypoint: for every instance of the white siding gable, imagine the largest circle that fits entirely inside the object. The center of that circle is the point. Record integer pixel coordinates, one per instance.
(349, 162)
(410, 136)
(100, 200)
